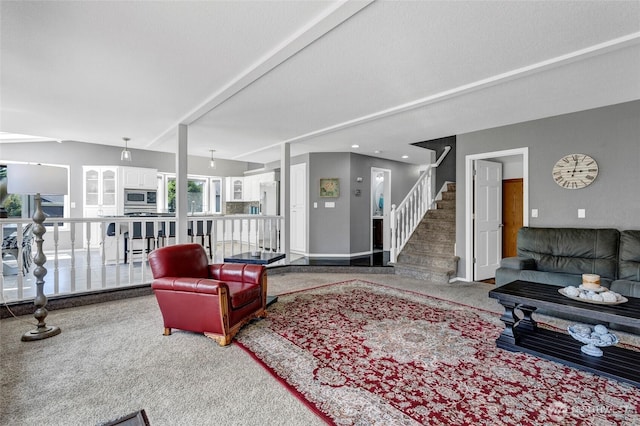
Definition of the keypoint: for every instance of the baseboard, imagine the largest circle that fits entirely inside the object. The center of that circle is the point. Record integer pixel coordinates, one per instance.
(8, 310)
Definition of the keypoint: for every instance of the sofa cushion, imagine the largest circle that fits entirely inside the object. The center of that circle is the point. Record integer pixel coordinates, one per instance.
(243, 293)
(571, 250)
(629, 256)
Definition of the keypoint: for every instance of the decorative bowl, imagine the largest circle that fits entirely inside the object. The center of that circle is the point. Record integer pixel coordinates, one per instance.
(590, 296)
(594, 337)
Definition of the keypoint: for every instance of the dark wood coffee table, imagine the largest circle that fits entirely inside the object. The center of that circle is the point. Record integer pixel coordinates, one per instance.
(523, 334)
(262, 258)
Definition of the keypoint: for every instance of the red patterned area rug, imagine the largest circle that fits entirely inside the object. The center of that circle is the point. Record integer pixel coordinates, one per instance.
(360, 353)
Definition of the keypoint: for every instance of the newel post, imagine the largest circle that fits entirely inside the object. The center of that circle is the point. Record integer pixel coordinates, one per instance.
(394, 244)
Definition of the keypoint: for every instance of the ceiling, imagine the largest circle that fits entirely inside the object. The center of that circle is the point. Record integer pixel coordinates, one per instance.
(323, 75)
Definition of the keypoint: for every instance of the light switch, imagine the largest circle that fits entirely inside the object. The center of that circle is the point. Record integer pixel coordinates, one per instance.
(534, 212)
(582, 213)
(73, 204)
(315, 204)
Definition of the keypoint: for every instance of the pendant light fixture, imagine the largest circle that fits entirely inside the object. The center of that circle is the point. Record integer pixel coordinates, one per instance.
(125, 155)
(212, 162)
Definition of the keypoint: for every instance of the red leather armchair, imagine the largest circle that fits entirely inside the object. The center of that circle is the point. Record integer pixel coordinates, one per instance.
(213, 299)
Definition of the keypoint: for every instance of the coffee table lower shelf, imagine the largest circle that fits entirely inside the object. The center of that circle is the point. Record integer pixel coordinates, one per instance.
(617, 362)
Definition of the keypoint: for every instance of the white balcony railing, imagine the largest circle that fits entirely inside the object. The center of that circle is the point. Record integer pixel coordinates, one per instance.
(89, 254)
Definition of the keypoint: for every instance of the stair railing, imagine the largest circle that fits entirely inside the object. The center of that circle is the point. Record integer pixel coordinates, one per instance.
(408, 214)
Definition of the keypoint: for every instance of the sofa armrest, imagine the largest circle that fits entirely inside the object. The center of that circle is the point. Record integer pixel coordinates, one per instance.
(626, 287)
(190, 285)
(518, 263)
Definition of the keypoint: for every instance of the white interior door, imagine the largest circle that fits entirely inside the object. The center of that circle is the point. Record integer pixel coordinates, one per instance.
(488, 219)
(298, 208)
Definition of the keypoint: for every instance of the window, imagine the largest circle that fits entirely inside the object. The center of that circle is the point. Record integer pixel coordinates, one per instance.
(216, 195)
(197, 200)
(204, 193)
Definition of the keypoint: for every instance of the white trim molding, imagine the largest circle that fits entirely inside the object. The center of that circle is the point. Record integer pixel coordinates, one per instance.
(468, 217)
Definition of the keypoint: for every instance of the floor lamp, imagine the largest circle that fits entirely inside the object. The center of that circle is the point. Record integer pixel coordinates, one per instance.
(28, 179)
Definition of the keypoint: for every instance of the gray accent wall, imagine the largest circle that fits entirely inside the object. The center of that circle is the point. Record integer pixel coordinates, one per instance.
(446, 172)
(346, 228)
(611, 135)
(329, 228)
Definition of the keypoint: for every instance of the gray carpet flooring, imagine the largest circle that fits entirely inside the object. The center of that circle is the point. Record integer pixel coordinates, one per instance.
(111, 359)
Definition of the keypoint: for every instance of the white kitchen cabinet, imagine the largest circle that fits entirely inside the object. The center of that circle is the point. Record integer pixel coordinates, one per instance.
(235, 188)
(101, 197)
(139, 178)
(252, 185)
(103, 192)
(246, 188)
(252, 188)
(100, 187)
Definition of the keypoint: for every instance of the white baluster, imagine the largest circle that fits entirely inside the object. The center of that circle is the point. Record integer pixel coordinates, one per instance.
(103, 258)
(394, 244)
(56, 270)
(88, 254)
(72, 269)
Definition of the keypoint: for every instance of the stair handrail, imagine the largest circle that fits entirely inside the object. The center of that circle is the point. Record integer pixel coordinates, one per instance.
(408, 214)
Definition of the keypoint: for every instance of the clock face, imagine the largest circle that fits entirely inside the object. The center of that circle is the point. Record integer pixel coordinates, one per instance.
(575, 171)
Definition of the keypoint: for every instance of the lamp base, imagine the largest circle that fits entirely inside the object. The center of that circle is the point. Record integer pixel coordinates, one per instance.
(40, 333)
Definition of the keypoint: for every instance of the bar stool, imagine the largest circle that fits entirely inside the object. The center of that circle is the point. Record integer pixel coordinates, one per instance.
(137, 235)
(162, 234)
(200, 232)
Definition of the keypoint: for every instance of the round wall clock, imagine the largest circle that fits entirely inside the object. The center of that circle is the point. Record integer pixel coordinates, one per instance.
(575, 171)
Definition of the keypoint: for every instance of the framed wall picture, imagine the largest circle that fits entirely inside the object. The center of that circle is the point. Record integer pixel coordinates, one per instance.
(330, 187)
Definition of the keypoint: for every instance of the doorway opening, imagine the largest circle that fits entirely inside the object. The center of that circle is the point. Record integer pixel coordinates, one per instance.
(380, 209)
(521, 168)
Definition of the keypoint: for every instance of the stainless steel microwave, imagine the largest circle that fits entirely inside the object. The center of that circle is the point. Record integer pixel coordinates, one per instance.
(140, 197)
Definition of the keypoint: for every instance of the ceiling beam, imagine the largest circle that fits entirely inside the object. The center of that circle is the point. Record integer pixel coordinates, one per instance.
(332, 17)
(595, 50)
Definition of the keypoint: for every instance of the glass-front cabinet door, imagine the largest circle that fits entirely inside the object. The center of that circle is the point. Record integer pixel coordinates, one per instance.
(237, 189)
(100, 186)
(108, 187)
(91, 187)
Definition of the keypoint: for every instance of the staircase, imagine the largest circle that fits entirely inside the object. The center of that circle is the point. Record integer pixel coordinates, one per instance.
(429, 253)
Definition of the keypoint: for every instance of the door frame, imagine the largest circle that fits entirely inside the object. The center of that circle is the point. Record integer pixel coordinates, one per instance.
(386, 210)
(304, 223)
(469, 195)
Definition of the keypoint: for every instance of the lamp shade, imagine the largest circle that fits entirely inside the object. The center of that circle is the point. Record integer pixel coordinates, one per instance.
(36, 179)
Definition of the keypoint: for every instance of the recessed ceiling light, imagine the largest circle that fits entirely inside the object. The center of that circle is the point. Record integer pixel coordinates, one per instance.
(405, 156)
(355, 145)
(377, 151)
